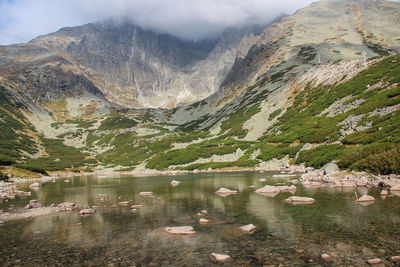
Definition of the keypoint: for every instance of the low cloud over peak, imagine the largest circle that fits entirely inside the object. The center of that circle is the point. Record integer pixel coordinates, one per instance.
(22, 20)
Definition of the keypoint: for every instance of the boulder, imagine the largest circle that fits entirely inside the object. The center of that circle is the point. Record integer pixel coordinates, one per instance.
(292, 188)
(268, 189)
(262, 180)
(203, 221)
(86, 211)
(145, 194)
(66, 206)
(296, 199)
(330, 168)
(175, 183)
(283, 188)
(204, 212)
(384, 193)
(250, 228)
(220, 258)
(136, 206)
(225, 191)
(366, 198)
(180, 230)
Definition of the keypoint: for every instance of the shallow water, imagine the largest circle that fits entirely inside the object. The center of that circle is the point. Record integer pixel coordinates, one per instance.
(290, 235)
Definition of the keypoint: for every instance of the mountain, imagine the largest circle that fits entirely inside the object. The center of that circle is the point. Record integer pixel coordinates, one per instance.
(321, 85)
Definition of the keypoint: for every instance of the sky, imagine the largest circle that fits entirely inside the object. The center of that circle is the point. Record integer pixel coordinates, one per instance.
(22, 20)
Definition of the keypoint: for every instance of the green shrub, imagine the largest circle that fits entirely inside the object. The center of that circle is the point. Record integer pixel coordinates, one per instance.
(31, 168)
(319, 156)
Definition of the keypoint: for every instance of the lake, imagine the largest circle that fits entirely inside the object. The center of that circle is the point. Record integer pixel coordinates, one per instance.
(287, 234)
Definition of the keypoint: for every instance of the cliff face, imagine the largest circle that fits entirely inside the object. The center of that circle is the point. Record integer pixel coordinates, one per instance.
(133, 67)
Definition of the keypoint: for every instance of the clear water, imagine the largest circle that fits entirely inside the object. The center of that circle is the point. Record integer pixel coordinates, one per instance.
(290, 235)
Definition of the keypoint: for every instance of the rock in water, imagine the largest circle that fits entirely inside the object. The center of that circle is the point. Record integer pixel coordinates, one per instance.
(203, 221)
(250, 228)
(175, 183)
(395, 187)
(204, 212)
(34, 185)
(136, 206)
(180, 230)
(268, 189)
(262, 180)
(300, 200)
(374, 261)
(225, 191)
(220, 258)
(124, 203)
(366, 198)
(87, 211)
(33, 204)
(384, 193)
(145, 194)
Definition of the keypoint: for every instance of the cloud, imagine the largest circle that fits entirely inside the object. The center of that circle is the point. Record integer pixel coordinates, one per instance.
(22, 20)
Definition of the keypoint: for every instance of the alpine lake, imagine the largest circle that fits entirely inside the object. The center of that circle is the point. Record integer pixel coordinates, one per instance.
(286, 234)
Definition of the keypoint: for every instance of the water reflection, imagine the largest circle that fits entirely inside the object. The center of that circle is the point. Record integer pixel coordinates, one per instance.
(282, 227)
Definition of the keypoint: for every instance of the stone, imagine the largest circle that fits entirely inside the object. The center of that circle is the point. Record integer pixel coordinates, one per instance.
(180, 230)
(66, 181)
(374, 261)
(384, 193)
(326, 257)
(296, 199)
(225, 191)
(395, 258)
(66, 206)
(145, 194)
(284, 175)
(175, 183)
(124, 203)
(395, 187)
(292, 188)
(86, 211)
(134, 210)
(283, 188)
(203, 221)
(268, 189)
(33, 204)
(220, 258)
(204, 212)
(1, 222)
(250, 228)
(294, 181)
(262, 180)
(330, 168)
(252, 186)
(366, 198)
(34, 185)
(136, 206)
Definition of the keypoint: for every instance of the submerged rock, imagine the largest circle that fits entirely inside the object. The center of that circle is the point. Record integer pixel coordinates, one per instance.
(180, 230)
(296, 199)
(220, 258)
(268, 189)
(250, 228)
(87, 211)
(366, 198)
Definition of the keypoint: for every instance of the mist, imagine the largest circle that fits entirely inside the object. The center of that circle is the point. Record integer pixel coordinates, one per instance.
(22, 20)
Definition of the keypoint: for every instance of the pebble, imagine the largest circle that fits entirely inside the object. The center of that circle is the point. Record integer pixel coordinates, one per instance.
(202, 221)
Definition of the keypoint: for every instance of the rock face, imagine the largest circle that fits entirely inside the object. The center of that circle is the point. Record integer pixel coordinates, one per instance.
(131, 66)
(180, 230)
(220, 258)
